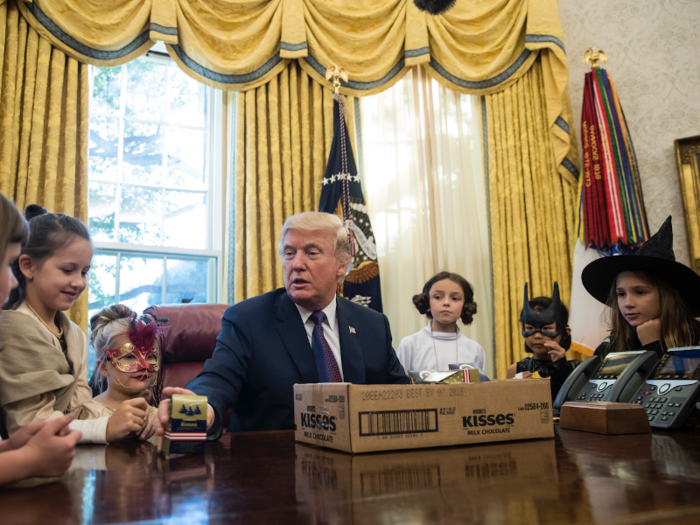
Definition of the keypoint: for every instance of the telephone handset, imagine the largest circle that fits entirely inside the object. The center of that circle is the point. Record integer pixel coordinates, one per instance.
(633, 376)
(614, 378)
(673, 388)
(576, 381)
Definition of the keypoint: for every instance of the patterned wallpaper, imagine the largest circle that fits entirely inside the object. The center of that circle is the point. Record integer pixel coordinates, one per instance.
(653, 49)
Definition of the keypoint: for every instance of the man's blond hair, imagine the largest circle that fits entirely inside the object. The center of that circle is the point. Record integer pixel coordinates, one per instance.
(319, 221)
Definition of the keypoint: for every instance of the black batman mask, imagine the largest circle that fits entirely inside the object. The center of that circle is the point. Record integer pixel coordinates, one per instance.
(539, 320)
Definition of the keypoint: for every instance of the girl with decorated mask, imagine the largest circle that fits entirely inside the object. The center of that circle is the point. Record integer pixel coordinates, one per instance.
(43, 366)
(128, 360)
(446, 298)
(547, 337)
(39, 449)
(653, 300)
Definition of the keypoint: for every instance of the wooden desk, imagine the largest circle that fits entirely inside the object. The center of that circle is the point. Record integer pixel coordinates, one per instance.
(265, 477)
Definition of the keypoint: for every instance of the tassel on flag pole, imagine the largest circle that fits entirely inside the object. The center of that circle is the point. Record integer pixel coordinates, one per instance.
(611, 218)
(342, 194)
(610, 194)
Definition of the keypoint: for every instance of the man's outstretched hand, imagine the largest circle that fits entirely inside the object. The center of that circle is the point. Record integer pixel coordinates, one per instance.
(163, 416)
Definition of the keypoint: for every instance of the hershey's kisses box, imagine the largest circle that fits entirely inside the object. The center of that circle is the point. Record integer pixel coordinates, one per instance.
(186, 432)
(368, 418)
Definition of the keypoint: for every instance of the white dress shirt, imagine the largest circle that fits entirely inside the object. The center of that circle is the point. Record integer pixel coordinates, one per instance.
(331, 330)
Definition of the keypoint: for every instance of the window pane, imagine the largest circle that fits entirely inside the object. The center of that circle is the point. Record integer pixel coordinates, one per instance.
(186, 280)
(143, 153)
(185, 219)
(187, 99)
(140, 281)
(186, 158)
(102, 203)
(104, 145)
(102, 283)
(145, 90)
(106, 89)
(139, 215)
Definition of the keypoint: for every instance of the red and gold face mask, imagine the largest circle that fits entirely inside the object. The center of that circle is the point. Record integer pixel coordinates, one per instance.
(141, 353)
(128, 358)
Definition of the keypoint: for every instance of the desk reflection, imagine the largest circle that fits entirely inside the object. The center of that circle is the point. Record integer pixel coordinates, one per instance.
(495, 483)
(651, 474)
(265, 477)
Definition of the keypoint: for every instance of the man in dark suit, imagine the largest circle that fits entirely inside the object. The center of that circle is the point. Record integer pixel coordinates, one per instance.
(302, 333)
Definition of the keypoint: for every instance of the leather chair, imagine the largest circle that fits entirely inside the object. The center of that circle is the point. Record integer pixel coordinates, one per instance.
(188, 340)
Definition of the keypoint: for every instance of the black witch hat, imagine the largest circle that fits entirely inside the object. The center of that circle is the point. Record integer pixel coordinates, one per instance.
(654, 257)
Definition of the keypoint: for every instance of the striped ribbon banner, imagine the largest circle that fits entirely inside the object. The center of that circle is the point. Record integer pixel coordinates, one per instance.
(611, 209)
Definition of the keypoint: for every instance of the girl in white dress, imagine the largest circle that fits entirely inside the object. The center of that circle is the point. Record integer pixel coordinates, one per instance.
(446, 298)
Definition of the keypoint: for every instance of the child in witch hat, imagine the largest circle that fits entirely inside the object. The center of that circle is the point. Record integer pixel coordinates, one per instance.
(654, 300)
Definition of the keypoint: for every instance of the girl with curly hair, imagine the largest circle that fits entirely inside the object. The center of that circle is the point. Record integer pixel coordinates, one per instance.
(446, 298)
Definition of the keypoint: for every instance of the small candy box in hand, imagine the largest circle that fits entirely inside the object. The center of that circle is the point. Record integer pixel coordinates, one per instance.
(186, 432)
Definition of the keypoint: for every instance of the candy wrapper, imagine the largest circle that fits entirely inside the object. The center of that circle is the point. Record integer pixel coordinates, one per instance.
(483, 378)
(465, 375)
(186, 432)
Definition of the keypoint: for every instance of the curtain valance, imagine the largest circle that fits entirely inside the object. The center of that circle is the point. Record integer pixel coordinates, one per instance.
(478, 47)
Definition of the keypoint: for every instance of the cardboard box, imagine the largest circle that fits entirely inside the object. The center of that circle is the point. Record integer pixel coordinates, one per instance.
(369, 418)
(603, 417)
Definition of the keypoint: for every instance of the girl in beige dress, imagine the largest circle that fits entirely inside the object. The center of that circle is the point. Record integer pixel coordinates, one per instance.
(43, 366)
(39, 449)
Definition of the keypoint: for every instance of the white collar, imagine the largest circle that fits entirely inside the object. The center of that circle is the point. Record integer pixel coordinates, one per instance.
(447, 336)
(328, 310)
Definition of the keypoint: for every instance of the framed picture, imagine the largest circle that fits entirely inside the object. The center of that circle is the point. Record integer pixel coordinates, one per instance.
(688, 158)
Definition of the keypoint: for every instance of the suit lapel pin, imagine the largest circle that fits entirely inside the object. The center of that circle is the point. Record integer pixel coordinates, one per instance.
(352, 330)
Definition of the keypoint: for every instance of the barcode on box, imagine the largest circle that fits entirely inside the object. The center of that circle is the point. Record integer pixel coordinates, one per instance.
(398, 422)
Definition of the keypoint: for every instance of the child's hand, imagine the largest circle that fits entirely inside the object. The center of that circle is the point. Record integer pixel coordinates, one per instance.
(129, 418)
(150, 428)
(649, 331)
(527, 375)
(22, 436)
(555, 351)
(51, 450)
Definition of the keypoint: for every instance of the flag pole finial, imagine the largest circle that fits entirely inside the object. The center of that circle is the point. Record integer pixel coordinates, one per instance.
(593, 56)
(336, 73)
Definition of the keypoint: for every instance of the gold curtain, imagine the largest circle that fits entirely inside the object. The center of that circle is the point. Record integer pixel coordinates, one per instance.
(478, 47)
(284, 131)
(43, 125)
(531, 208)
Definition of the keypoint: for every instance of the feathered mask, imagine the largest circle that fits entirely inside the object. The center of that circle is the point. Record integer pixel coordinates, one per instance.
(140, 354)
(144, 331)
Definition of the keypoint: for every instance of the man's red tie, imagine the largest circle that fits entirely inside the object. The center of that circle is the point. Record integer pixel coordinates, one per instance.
(325, 362)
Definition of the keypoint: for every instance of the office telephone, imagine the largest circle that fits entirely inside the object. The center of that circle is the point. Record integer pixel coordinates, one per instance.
(671, 392)
(616, 378)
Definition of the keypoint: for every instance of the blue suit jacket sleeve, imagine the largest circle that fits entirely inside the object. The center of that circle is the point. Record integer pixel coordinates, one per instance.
(396, 373)
(226, 372)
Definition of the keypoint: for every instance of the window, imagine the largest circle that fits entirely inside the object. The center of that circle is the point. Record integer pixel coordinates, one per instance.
(153, 205)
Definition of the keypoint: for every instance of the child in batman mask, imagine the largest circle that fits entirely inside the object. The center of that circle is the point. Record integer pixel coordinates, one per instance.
(547, 337)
